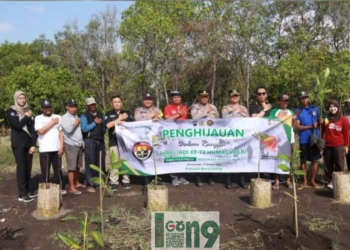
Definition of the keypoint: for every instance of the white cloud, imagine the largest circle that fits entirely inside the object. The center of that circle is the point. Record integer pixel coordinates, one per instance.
(6, 27)
(38, 9)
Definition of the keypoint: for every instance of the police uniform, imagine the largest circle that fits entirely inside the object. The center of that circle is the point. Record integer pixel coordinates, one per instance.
(145, 114)
(234, 111)
(199, 111)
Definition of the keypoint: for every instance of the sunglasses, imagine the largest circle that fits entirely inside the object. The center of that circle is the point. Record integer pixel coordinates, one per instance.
(261, 93)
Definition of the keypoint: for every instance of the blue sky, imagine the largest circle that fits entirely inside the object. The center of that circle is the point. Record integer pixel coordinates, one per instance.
(24, 21)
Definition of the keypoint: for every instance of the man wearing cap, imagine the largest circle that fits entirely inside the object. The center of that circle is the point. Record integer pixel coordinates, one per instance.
(307, 122)
(113, 118)
(176, 111)
(145, 113)
(92, 124)
(51, 146)
(347, 115)
(203, 109)
(285, 115)
(234, 110)
(73, 145)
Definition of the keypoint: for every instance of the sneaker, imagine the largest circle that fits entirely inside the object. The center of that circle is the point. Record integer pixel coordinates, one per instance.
(199, 181)
(25, 198)
(63, 191)
(211, 182)
(330, 185)
(114, 187)
(228, 184)
(183, 181)
(126, 185)
(175, 182)
(32, 194)
(91, 189)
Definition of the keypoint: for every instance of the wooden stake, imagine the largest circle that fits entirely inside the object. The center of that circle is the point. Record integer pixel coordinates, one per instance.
(101, 195)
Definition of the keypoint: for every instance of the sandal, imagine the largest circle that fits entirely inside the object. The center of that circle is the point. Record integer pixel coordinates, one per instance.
(76, 192)
(276, 186)
(302, 186)
(81, 186)
(91, 190)
(289, 185)
(317, 186)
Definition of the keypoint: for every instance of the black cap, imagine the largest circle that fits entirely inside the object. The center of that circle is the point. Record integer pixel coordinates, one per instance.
(175, 93)
(203, 93)
(233, 92)
(71, 102)
(45, 103)
(283, 97)
(147, 96)
(303, 94)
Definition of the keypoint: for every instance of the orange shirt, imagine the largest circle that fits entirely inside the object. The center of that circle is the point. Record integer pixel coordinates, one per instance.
(172, 109)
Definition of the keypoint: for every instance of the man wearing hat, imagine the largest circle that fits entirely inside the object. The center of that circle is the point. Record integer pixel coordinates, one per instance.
(176, 111)
(145, 113)
(92, 124)
(203, 109)
(51, 146)
(115, 117)
(347, 115)
(234, 110)
(307, 122)
(285, 115)
(73, 145)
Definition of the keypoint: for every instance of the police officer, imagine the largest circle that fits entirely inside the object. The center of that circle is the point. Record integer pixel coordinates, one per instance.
(145, 113)
(234, 110)
(203, 109)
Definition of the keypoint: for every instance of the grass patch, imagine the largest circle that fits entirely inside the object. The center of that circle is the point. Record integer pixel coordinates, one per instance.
(320, 222)
(248, 241)
(124, 228)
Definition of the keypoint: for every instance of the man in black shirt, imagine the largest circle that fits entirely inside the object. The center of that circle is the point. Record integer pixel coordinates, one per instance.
(92, 124)
(115, 117)
(261, 108)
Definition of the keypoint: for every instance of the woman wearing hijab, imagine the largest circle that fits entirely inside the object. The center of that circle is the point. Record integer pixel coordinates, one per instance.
(335, 131)
(23, 141)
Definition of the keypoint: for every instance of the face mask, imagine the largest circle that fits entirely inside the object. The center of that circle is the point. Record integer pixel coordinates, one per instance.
(333, 109)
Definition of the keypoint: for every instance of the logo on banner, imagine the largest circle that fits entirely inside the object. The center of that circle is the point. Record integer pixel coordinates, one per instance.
(270, 143)
(185, 230)
(210, 123)
(142, 150)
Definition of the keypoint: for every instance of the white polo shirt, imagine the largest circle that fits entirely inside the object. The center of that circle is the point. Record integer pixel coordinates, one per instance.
(50, 141)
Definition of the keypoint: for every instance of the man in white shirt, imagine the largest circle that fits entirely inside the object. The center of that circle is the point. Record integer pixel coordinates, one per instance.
(51, 147)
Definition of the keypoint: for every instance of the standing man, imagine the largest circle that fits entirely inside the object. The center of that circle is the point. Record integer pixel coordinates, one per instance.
(115, 117)
(307, 122)
(73, 145)
(285, 114)
(23, 141)
(261, 108)
(176, 111)
(51, 145)
(234, 110)
(93, 127)
(145, 113)
(203, 109)
(347, 115)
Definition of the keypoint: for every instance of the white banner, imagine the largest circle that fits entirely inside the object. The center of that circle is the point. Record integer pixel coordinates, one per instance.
(205, 145)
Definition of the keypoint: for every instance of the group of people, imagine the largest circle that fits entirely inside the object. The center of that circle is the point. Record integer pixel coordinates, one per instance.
(83, 136)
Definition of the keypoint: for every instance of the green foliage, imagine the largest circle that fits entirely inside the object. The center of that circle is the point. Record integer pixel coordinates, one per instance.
(84, 226)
